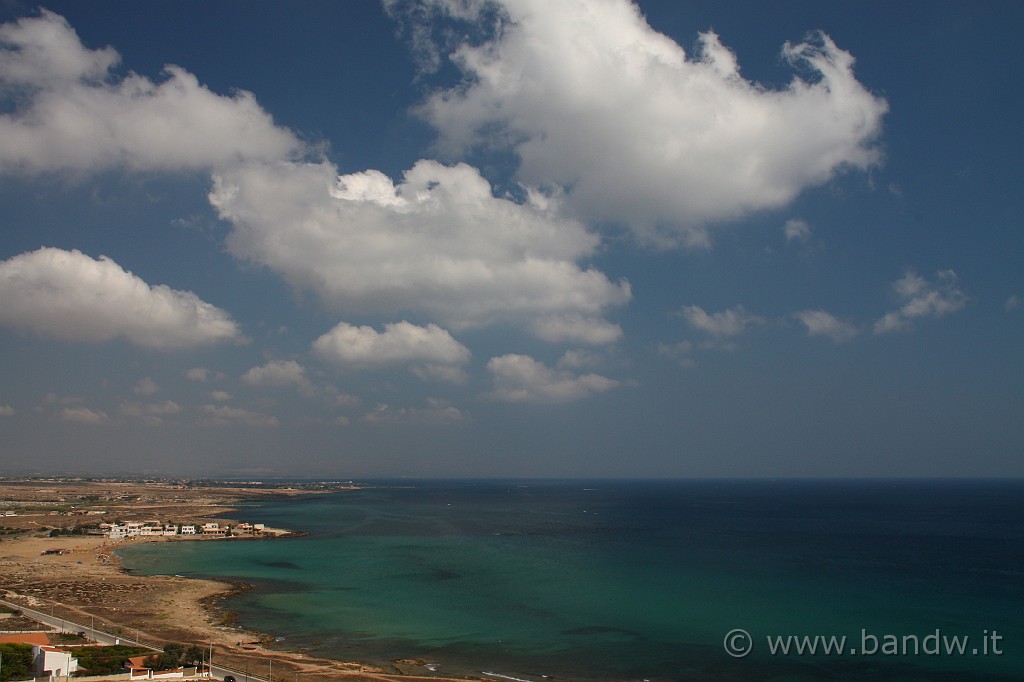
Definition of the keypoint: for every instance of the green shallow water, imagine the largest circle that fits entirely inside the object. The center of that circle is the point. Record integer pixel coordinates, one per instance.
(628, 580)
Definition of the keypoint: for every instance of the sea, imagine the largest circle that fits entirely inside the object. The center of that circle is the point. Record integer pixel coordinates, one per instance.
(695, 580)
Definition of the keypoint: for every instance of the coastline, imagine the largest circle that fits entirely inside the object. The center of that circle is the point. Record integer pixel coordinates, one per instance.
(88, 584)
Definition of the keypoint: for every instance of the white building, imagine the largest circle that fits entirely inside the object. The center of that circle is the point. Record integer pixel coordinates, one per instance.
(188, 530)
(48, 661)
(116, 532)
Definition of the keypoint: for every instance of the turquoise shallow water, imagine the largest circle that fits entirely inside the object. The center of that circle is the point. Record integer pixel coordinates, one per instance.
(617, 580)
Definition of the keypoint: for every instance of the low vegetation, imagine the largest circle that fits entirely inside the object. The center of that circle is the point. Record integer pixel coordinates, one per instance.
(103, 660)
(17, 661)
(175, 656)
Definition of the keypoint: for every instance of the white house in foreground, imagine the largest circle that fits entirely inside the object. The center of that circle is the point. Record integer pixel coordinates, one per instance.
(48, 661)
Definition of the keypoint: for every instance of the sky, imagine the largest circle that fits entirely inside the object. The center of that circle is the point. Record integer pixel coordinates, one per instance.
(515, 238)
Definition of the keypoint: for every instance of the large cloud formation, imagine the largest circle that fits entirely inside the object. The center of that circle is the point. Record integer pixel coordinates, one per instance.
(66, 108)
(68, 295)
(438, 243)
(594, 100)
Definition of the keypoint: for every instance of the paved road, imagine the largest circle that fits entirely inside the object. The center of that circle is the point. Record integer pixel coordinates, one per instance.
(101, 637)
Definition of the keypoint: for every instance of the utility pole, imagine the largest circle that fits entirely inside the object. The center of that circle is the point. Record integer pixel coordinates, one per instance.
(271, 676)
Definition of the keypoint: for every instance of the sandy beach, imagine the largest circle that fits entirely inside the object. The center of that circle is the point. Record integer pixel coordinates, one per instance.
(86, 583)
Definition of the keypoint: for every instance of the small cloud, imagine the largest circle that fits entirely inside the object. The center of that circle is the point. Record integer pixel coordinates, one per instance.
(219, 396)
(279, 373)
(821, 323)
(681, 352)
(436, 412)
(346, 400)
(83, 415)
(222, 415)
(6, 410)
(430, 351)
(200, 374)
(731, 322)
(922, 299)
(145, 386)
(150, 413)
(798, 229)
(1012, 303)
(521, 379)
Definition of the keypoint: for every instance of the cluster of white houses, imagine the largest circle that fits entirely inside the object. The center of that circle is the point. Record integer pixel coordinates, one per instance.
(132, 529)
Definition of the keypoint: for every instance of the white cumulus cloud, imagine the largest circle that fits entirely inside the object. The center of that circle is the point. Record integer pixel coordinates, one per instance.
(68, 295)
(593, 99)
(821, 323)
(223, 415)
(730, 322)
(438, 243)
(278, 373)
(83, 415)
(431, 351)
(520, 378)
(922, 299)
(798, 229)
(67, 108)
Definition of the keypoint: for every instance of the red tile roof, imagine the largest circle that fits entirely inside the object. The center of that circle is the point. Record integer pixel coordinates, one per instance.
(26, 638)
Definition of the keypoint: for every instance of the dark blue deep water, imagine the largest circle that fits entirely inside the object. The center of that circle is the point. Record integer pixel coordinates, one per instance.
(605, 580)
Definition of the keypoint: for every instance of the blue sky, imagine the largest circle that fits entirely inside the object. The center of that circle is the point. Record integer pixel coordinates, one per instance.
(511, 239)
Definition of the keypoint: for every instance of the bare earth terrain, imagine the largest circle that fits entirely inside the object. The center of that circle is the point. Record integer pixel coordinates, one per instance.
(86, 584)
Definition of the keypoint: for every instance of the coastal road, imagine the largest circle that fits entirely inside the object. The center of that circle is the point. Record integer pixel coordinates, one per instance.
(217, 671)
(101, 637)
(65, 625)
